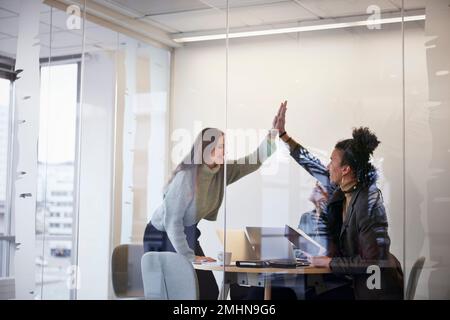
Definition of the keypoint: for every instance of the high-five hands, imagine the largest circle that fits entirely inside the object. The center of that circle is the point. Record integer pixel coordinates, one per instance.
(280, 118)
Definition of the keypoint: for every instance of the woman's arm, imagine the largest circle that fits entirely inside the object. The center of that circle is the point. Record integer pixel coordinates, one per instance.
(241, 167)
(237, 169)
(177, 199)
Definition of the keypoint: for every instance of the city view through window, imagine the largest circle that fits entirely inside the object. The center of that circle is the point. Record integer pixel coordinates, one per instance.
(55, 196)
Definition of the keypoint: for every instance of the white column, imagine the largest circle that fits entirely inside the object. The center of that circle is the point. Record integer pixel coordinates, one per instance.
(96, 176)
(26, 131)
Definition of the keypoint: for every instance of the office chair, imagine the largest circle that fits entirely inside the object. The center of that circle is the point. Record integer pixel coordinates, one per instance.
(168, 276)
(126, 271)
(414, 278)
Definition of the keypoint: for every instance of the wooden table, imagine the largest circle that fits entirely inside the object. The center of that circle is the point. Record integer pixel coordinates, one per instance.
(255, 276)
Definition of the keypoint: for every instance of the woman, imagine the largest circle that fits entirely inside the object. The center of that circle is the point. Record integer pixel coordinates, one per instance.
(195, 192)
(355, 216)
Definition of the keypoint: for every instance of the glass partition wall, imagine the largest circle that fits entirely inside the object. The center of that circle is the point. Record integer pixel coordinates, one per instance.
(426, 167)
(60, 85)
(217, 130)
(338, 64)
(93, 97)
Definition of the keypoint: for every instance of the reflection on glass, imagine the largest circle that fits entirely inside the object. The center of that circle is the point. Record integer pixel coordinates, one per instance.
(120, 171)
(339, 67)
(427, 165)
(141, 127)
(194, 193)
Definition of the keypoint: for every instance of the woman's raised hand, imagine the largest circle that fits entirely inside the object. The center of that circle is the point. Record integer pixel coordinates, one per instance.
(280, 118)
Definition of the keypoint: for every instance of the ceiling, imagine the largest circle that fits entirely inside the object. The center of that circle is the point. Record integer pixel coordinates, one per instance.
(179, 16)
(64, 41)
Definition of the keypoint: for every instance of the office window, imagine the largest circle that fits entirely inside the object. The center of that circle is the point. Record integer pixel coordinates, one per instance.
(5, 241)
(56, 155)
(4, 129)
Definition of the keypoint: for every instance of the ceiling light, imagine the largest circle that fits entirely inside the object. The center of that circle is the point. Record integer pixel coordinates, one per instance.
(341, 25)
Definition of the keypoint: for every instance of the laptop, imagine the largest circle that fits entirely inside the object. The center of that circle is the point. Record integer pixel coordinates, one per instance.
(238, 244)
(303, 242)
(270, 243)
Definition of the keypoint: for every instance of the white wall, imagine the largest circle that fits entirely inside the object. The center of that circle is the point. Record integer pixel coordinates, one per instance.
(334, 80)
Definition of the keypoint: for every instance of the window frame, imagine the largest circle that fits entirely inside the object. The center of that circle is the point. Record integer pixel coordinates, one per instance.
(8, 239)
(56, 61)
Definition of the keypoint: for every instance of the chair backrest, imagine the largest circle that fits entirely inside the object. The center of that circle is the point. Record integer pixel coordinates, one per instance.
(414, 278)
(126, 271)
(168, 276)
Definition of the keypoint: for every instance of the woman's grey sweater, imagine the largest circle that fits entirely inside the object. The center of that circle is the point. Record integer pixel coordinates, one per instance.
(188, 199)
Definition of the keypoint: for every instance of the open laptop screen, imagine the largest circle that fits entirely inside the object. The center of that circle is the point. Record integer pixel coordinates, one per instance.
(302, 241)
(270, 243)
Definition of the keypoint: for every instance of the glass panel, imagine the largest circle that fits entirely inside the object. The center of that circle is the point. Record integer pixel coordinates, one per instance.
(95, 152)
(136, 111)
(62, 45)
(171, 200)
(5, 133)
(427, 166)
(339, 66)
(124, 134)
(142, 147)
(22, 26)
(5, 100)
(59, 90)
